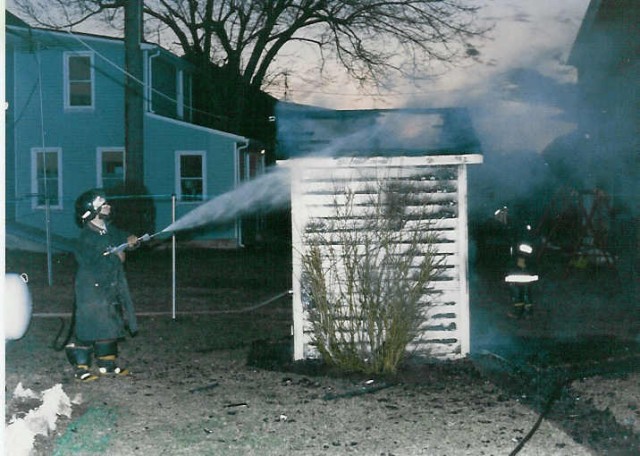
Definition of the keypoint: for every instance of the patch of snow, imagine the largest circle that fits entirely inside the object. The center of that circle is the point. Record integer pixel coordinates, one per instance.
(20, 434)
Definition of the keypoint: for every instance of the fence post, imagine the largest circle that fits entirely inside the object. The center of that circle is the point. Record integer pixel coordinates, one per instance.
(173, 258)
(47, 222)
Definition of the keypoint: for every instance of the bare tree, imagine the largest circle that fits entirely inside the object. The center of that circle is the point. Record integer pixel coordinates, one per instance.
(242, 38)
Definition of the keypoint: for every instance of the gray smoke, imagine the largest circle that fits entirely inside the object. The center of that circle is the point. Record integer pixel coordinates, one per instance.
(268, 192)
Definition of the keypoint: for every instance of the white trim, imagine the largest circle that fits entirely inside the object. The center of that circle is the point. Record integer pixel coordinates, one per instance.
(197, 127)
(149, 80)
(464, 310)
(65, 71)
(237, 180)
(299, 216)
(178, 176)
(99, 152)
(34, 176)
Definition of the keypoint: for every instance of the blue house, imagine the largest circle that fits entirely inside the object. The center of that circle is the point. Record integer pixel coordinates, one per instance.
(65, 134)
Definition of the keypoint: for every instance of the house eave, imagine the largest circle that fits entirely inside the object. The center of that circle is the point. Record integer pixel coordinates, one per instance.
(82, 36)
(182, 123)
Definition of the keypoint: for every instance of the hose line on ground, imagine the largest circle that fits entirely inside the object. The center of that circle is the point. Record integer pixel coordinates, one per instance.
(553, 397)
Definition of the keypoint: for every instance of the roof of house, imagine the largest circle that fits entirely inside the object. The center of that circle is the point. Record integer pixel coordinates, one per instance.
(304, 130)
(55, 36)
(12, 19)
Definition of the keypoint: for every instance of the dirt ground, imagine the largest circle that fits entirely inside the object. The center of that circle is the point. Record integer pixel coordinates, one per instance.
(219, 383)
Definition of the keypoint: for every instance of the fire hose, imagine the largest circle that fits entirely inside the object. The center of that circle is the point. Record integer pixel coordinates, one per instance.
(555, 393)
(119, 248)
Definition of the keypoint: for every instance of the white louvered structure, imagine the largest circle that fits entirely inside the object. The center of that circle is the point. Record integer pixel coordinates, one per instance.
(441, 181)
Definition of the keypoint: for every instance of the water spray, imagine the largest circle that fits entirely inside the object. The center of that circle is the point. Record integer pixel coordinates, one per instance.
(266, 192)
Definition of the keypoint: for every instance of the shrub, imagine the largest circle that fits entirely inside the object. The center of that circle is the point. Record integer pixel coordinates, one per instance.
(365, 277)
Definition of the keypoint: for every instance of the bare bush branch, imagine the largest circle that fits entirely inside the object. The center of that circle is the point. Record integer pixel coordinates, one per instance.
(365, 279)
(368, 38)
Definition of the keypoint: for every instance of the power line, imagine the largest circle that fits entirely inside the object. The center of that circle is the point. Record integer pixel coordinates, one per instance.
(141, 83)
(366, 95)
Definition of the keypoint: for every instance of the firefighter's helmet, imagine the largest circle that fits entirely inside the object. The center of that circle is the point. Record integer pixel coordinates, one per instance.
(88, 205)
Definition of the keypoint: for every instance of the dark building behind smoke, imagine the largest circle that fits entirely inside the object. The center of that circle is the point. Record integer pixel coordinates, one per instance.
(604, 151)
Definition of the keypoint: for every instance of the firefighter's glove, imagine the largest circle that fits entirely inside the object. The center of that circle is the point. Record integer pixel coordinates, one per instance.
(133, 331)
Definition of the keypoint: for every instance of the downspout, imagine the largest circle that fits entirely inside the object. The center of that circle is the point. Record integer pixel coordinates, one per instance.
(149, 88)
(240, 147)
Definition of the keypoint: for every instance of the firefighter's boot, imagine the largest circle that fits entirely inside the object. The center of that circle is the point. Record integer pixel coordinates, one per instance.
(80, 359)
(106, 358)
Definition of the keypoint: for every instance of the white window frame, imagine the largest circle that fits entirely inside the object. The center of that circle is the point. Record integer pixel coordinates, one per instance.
(67, 92)
(35, 151)
(178, 175)
(99, 152)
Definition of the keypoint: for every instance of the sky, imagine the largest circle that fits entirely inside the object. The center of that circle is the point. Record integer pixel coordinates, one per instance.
(512, 88)
(532, 34)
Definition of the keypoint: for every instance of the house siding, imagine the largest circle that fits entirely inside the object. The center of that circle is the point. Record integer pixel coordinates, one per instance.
(44, 122)
(163, 138)
(37, 119)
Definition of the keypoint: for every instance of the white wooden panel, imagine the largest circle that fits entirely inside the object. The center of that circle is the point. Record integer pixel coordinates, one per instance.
(440, 183)
(437, 211)
(373, 174)
(440, 351)
(335, 186)
(367, 199)
(444, 225)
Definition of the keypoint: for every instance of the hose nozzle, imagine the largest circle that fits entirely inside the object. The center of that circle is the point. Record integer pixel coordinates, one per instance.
(119, 248)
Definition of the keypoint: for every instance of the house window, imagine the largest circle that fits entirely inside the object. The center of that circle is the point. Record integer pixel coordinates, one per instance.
(111, 166)
(46, 166)
(190, 176)
(79, 80)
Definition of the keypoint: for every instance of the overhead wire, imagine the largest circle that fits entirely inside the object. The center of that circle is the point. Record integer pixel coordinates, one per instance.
(153, 90)
(42, 135)
(137, 80)
(361, 95)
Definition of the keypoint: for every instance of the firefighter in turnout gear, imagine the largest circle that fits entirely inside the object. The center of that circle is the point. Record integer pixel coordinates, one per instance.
(521, 277)
(103, 310)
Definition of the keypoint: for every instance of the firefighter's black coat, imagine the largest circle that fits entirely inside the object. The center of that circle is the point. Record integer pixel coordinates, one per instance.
(104, 308)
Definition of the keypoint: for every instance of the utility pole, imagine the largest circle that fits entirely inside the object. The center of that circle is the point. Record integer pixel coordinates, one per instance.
(133, 110)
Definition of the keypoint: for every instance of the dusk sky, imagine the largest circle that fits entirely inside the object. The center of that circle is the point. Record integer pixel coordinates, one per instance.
(529, 45)
(532, 37)
(536, 35)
